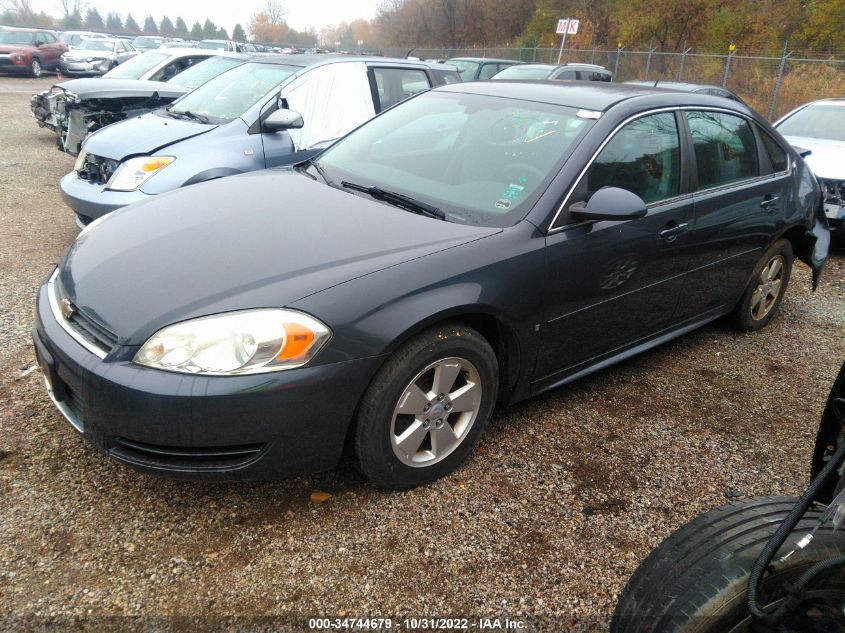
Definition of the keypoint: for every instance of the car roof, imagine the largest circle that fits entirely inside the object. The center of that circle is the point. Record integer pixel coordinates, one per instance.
(484, 59)
(596, 96)
(184, 52)
(25, 29)
(317, 59)
(837, 101)
(675, 85)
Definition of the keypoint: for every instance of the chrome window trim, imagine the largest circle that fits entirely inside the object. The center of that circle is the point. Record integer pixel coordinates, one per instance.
(52, 297)
(555, 229)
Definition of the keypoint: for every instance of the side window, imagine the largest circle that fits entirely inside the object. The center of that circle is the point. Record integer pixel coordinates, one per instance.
(40, 38)
(397, 84)
(50, 38)
(776, 154)
(644, 157)
(567, 75)
(725, 149)
(488, 70)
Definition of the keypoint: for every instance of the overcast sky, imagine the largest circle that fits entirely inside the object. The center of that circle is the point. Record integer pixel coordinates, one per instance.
(301, 14)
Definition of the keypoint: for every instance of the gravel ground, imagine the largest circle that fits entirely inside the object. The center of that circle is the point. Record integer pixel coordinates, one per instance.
(564, 496)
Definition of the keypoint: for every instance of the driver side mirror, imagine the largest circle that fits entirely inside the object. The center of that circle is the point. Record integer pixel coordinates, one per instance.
(283, 120)
(610, 203)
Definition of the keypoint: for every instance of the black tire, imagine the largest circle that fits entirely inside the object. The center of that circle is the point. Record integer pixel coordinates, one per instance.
(743, 313)
(695, 581)
(372, 444)
(35, 68)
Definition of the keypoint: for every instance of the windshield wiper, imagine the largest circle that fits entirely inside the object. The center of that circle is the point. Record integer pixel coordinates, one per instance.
(397, 199)
(187, 114)
(312, 162)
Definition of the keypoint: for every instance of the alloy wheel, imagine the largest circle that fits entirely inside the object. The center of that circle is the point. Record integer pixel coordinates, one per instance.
(769, 286)
(435, 412)
(36, 68)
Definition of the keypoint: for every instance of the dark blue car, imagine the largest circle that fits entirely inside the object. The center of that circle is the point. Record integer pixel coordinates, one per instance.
(476, 245)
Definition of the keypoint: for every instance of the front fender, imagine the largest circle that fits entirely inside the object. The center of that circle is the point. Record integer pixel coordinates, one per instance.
(211, 174)
(830, 434)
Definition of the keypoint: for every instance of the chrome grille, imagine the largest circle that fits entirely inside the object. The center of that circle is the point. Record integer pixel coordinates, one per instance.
(91, 334)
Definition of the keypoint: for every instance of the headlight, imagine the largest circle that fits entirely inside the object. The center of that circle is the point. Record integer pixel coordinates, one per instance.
(136, 171)
(80, 160)
(236, 343)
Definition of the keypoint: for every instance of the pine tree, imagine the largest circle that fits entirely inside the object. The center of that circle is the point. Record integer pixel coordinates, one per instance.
(222, 34)
(93, 20)
(166, 27)
(238, 33)
(113, 22)
(72, 21)
(150, 26)
(196, 31)
(181, 28)
(209, 30)
(131, 26)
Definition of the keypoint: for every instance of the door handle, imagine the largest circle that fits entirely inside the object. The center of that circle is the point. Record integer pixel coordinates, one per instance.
(672, 230)
(770, 201)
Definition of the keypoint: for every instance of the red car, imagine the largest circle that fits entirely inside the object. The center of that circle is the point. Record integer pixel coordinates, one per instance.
(29, 51)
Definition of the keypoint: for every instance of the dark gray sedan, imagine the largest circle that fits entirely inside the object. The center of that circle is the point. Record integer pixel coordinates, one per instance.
(471, 247)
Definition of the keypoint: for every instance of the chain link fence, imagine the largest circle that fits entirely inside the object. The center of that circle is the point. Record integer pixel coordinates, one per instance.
(771, 85)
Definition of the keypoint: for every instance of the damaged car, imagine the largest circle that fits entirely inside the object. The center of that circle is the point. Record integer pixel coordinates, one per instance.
(76, 108)
(819, 128)
(240, 121)
(92, 58)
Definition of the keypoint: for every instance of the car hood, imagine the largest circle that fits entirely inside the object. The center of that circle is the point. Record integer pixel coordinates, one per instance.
(142, 135)
(263, 239)
(104, 88)
(828, 158)
(79, 54)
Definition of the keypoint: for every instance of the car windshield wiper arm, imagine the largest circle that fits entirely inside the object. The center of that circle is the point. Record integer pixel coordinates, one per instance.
(397, 199)
(190, 115)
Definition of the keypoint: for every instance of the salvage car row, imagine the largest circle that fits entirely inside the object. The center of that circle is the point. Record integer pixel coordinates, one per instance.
(422, 251)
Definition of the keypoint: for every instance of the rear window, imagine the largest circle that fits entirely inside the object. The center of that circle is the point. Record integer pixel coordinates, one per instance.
(138, 66)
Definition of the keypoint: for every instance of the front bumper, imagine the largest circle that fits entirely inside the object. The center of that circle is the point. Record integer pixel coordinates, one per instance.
(835, 214)
(91, 201)
(82, 69)
(265, 426)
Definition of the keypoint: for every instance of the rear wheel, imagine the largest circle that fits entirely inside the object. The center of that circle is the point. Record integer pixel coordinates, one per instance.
(35, 69)
(427, 406)
(765, 291)
(696, 580)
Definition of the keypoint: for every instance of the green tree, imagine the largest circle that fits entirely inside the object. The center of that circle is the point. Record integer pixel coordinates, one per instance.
(150, 26)
(238, 33)
(222, 34)
(209, 30)
(196, 31)
(113, 22)
(131, 26)
(166, 27)
(181, 28)
(72, 21)
(93, 20)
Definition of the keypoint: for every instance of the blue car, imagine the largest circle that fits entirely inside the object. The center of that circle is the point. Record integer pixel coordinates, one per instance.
(270, 111)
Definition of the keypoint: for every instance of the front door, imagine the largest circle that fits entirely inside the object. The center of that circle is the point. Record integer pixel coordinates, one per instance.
(612, 283)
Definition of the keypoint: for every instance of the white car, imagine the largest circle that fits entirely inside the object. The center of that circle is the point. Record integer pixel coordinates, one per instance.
(819, 126)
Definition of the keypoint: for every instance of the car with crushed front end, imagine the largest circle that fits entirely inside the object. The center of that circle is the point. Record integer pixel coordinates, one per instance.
(478, 244)
(818, 128)
(79, 107)
(237, 122)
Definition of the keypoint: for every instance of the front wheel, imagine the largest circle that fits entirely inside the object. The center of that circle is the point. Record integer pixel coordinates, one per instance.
(765, 291)
(426, 407)
(35, 67)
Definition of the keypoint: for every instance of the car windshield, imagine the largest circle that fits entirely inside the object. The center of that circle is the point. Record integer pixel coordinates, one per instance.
(213, 46)
(17, 37)
(466, 69)
(230, 95)
(480, 159)
(819, 120)
(525, 72)
(135, 67)
(204, 71)
(147, 42)
(96, 45)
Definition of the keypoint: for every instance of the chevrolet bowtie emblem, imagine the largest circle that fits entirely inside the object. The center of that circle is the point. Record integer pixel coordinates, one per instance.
(66, 308)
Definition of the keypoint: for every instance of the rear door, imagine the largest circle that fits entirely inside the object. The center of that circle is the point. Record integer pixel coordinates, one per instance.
(612, 283)
(739, 202)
